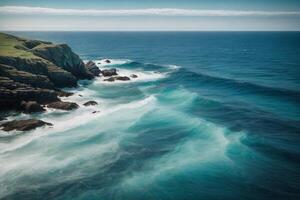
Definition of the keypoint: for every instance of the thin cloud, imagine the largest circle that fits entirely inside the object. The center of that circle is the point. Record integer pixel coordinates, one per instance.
(23, 10)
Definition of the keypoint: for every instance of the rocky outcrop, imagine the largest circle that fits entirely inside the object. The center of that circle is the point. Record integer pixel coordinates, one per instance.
(12, 93)
(23, 125)
(31, 107)
(109, 72)
(25, 77)
(62, 56)
(133, 76)
(114, 78)
(46, 64)
(38, 66)
(92, 68)
(32, 70)
(63, 105)
(90, 103)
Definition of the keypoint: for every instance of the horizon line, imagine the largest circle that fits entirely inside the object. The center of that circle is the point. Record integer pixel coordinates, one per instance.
(150, 30)
(167, 12)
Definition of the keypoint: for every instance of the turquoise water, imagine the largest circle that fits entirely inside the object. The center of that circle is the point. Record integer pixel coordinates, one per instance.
(212, 115)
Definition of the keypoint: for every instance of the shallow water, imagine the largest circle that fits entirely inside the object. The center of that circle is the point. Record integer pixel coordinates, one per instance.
(210, 116)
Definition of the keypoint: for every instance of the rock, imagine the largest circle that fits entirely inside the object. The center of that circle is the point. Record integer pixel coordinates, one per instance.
(46, 64)
(107, 61)
(20, 76)
(109, 72)
(96, 111)
(80, 95)
(90, 103)
(61, 93)
(62, 56)
(111, 79)
(133, 76)
(2, 118)
(92, 68)
(31, 106)
(23, 125)
(32, 70)
(120, 78)
(63, 105)
(12, 93)
(41, 67)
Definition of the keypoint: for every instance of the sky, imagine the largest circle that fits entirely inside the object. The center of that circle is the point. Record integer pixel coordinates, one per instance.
(150, 15)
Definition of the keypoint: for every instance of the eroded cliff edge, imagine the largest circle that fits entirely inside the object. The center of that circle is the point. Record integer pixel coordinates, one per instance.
(33, 70)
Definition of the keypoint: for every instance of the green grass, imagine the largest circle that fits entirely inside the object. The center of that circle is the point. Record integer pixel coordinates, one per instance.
(8, 45)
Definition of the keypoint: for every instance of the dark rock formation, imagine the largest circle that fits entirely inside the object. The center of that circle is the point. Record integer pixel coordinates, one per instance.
(90, 103)
(25, 77)
(46, 64)
(92, 68)
(32, 70)
(61, 93)
(62, 56)
(38, 66)
(63, 105)
(109, 72)
(12, 93)
(23, 125)
(96, 111)
(120, 78)
(107, 61)
(133, 76)
(31, 106)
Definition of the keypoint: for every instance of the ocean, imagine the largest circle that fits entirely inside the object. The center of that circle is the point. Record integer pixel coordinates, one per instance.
(212, 115)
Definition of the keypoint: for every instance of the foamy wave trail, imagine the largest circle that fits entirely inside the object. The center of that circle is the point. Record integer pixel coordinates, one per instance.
(107, 62)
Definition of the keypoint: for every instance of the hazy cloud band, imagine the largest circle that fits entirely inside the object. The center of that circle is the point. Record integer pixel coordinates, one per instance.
(23, 10)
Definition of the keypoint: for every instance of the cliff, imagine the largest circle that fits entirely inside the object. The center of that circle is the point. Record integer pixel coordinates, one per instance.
(33, 70)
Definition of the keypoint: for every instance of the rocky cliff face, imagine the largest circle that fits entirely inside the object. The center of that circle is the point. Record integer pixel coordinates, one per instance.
(63, 57)
(59, 77)
(32, 70)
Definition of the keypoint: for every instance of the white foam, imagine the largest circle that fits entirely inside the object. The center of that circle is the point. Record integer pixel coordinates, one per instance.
(103, 63)
(173, 67)
(72, 119)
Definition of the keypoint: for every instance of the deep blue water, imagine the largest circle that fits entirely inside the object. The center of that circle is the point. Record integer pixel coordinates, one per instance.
(212, 115)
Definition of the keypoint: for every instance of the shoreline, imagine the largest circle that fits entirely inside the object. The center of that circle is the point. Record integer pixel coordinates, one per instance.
(34, 75)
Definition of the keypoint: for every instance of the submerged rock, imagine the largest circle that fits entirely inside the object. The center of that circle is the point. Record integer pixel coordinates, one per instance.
(63, 105)
(120, 78)
(96, 111)
(31, 106)
(107, 61)
(90, 103)
(133, 76)
(109, 72)
(23, 125)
